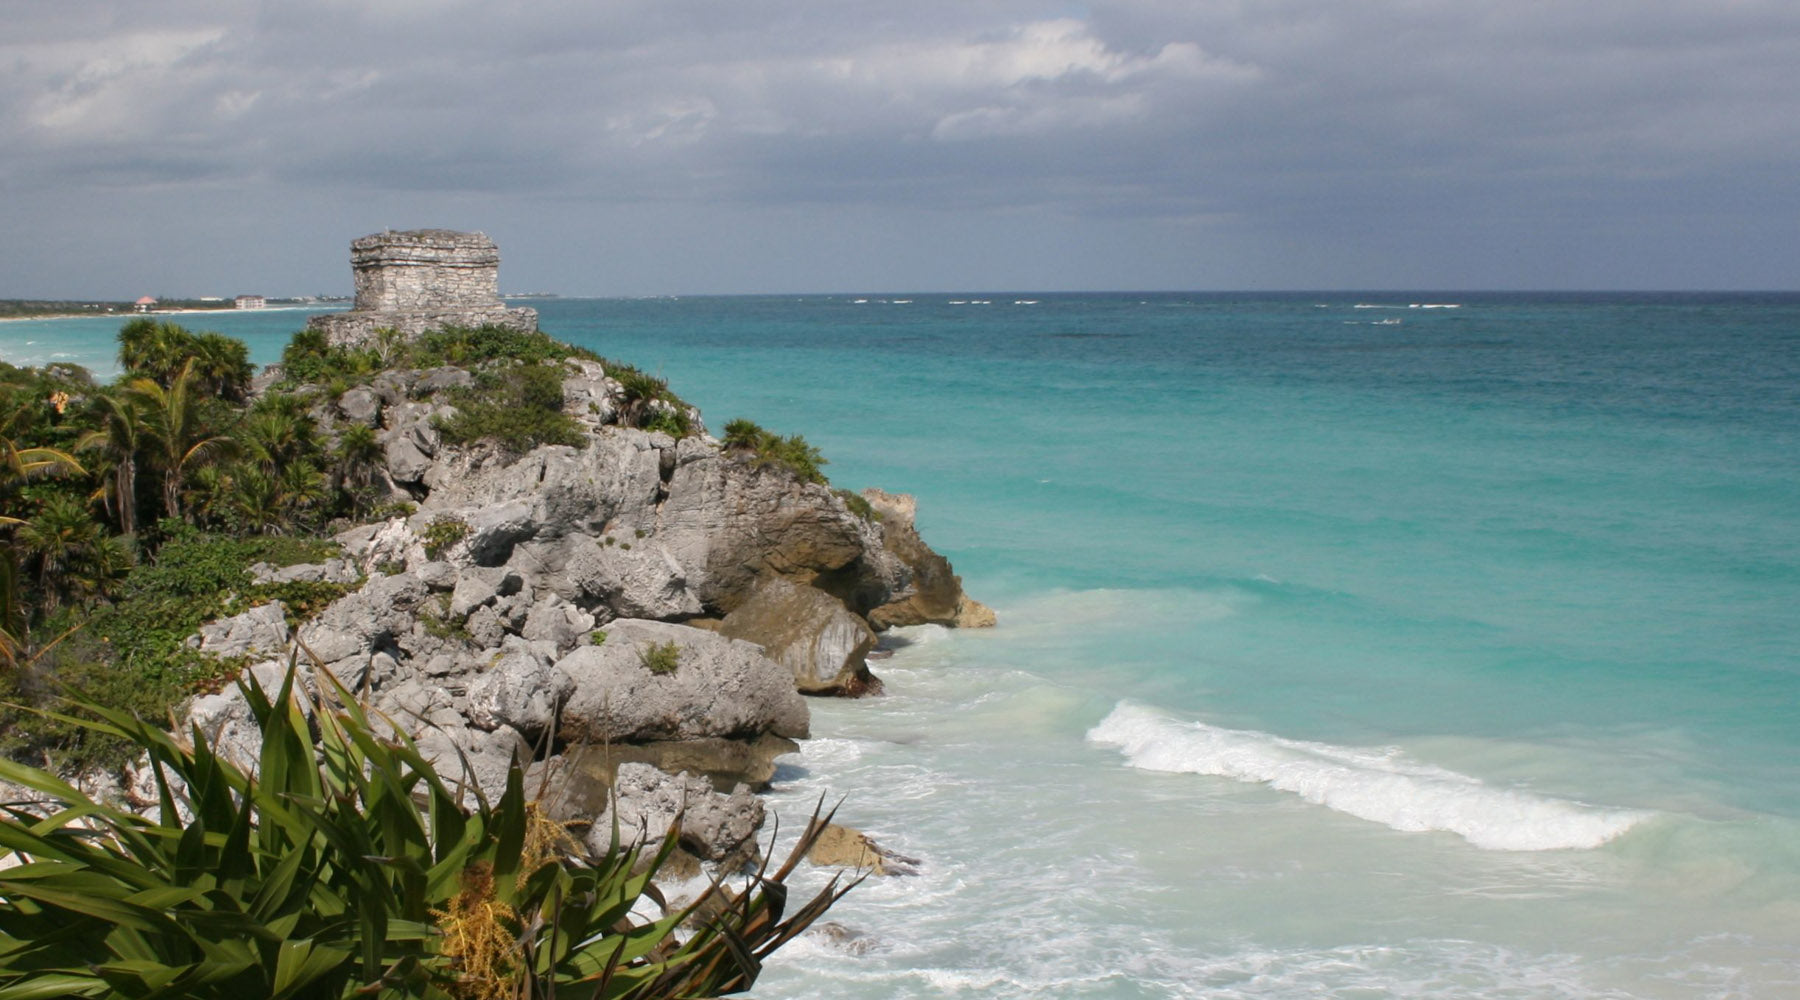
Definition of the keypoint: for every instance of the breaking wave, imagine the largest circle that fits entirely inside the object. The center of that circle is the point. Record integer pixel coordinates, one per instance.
(1379, 785)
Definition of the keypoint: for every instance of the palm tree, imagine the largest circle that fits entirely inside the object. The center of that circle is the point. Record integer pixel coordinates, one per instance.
(20, 464)
(177, 431)
(73, 558)
(153, 349)
(279, 433)
(356, 455)
(222, 364)
(119, 439)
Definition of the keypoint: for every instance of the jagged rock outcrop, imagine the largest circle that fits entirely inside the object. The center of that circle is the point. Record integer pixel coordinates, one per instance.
(534, 607)
(936, 596)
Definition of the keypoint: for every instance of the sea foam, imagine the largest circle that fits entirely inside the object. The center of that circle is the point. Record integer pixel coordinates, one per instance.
(1380, 785)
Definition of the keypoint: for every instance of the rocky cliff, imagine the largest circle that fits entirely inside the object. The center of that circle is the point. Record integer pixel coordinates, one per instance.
(634, 614)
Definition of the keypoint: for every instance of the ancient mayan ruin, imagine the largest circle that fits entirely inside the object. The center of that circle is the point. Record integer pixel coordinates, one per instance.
(418, 280)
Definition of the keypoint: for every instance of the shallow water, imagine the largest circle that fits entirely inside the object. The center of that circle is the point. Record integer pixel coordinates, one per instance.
(1448, 658)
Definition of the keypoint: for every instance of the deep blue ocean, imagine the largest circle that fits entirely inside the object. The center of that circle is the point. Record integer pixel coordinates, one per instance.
(1351, 645)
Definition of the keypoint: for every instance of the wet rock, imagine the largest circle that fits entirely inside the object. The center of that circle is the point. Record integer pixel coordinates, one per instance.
(846, 847)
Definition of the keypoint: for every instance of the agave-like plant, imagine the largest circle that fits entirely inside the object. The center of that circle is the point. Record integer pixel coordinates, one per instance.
(355, 873)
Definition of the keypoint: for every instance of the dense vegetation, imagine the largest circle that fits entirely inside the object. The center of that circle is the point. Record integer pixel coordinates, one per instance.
(128, 512)
(259, 883)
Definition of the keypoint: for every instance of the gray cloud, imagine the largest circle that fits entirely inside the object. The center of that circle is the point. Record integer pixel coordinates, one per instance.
(1285, 143)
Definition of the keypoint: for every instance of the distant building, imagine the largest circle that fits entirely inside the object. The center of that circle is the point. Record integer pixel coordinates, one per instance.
(251, 302)
(419, 280)
(146, 303)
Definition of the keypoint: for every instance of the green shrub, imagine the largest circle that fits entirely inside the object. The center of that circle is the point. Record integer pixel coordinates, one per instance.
(353, 870)
(444, 531)
(792, 453)
(660, 657)
(520, 407)
(858, 505)
(393, 508)
(473, 346)
(309, 360)
(642, 393)
(674, 423)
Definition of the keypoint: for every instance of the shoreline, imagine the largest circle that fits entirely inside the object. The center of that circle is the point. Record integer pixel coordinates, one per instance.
(160, 312)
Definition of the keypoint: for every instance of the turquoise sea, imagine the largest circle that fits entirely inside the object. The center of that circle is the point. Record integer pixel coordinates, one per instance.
(1351, 645)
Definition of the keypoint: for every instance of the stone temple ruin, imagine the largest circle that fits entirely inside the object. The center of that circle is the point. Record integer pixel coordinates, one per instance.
(418, 280)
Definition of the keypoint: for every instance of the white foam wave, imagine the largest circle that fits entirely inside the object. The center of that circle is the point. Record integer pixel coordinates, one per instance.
(1380, 785)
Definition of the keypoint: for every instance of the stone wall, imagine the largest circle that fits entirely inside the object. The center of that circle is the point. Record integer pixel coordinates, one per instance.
(419, 280)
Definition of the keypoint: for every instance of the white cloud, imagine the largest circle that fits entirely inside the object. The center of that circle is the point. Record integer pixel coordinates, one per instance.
(76, 90)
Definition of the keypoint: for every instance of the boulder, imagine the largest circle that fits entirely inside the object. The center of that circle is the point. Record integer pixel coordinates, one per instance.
(612, 483)
(360, 405)
(472, 590)
(556, 622)
(435, 380)
(718, 687)
(645, 802)
(406, 461)
(726, 763)
(809, 632)
(847, 847)
(730, 525)
(373, 616)
(520, 690)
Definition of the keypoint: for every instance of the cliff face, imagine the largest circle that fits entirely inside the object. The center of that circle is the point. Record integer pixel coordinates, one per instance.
(632, 599)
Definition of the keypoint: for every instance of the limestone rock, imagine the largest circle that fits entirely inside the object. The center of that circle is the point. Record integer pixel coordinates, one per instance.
(358, 622)
(360, 405)
(472, 758)
(556, 622)
(329, 571)
(521, 690)
(644, 581)
(714, 826)
(260, 631)
(726, 763)
(936, 595)
(730, 525)
(809, 632)
(719, 688)
(436, 380)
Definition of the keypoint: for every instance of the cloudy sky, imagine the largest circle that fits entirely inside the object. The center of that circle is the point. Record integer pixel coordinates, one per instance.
(630, 147)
